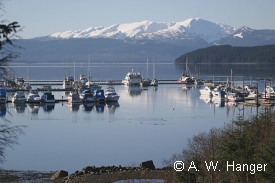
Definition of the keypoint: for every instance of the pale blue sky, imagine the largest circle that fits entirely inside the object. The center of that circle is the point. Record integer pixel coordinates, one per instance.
(44, 17)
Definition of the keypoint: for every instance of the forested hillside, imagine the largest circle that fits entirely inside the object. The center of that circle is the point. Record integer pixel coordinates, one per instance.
(230, 54)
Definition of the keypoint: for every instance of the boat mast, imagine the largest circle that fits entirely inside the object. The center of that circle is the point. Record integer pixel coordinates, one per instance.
(154, 72)
(147, 69)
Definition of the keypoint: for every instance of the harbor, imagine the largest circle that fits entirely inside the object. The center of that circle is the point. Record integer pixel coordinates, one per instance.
(100, 131)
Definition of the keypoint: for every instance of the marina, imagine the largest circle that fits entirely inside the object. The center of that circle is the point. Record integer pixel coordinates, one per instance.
(119, 133)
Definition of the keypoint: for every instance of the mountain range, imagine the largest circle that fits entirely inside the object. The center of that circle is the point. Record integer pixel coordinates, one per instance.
(134, 42)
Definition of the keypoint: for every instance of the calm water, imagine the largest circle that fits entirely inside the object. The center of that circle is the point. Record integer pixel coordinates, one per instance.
(146, 124)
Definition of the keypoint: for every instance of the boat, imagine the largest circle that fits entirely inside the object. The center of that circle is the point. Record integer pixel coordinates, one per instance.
(233, 97)
(99, 95)
(68, 82)
(206, 91)
(19, 81)
(185, 78)
(218, 95)
(147, 81)
(132, 78)
(82, 79)
(87, 95)
(74, 97)
(3, 95)
(19, 97)
(154, 82)
(33, 97)
(47, 97)
(111, 95)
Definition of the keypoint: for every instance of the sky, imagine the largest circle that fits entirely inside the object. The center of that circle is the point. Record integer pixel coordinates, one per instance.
(45, 17)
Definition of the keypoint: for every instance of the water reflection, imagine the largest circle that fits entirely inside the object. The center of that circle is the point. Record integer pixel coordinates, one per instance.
(74, 107)
(111, 107)
(8, 135)
(48, 107)
(88, 107)
(134, 90)
(99, 107)
(33, 108)
(3, 110)
(207, 99)
(19, 108)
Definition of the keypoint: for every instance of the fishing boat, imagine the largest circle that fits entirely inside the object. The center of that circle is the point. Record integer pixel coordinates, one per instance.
(87, 95)
(132, 78)
(185, 78)
(3, 95)
(33, 97)
(19, 97)
(47, 97)
(74, 97)
(111, 95)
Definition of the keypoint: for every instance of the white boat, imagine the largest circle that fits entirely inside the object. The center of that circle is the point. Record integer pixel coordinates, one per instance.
(83, 79)
(3, 95)
(19, 81)
(68, 82)
(19, 97)
(87, 96)
(132, 78)
(33, 97)
(74, 97)
(206, 91)
(233, 97)
(185, 78)
(47, 97)
(154, 82)
(146, 82)
(111, 95)
(218, 95)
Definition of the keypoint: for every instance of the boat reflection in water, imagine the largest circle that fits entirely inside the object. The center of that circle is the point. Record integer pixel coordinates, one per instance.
(74, 107)
(207, 99)
(219, 103)
(111, 107)
(48, 107)
(19, 107)
(3, 110)
(134, 90)
(88, 106)
(33, 108)
(99, 107)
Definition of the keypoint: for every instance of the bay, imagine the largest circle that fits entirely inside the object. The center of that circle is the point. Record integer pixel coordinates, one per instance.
(148, 123)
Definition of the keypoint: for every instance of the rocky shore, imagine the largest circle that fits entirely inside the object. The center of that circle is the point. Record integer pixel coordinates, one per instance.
(106, 174)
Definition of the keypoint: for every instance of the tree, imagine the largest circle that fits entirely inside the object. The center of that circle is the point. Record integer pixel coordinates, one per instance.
(7, 53)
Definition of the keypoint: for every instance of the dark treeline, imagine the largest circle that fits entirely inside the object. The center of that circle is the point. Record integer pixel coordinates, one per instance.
(230, 54)
(248, 142)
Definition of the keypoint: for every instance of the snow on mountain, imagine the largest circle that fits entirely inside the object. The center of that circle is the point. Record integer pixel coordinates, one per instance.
(191, 28)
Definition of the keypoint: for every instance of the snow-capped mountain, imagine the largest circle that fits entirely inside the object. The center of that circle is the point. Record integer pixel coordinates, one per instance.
(139, 40)
(188, 29)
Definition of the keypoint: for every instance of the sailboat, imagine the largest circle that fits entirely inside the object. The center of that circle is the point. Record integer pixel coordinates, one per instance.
(91, 85)
(146, 82)
(154, 81)
(185, 78)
